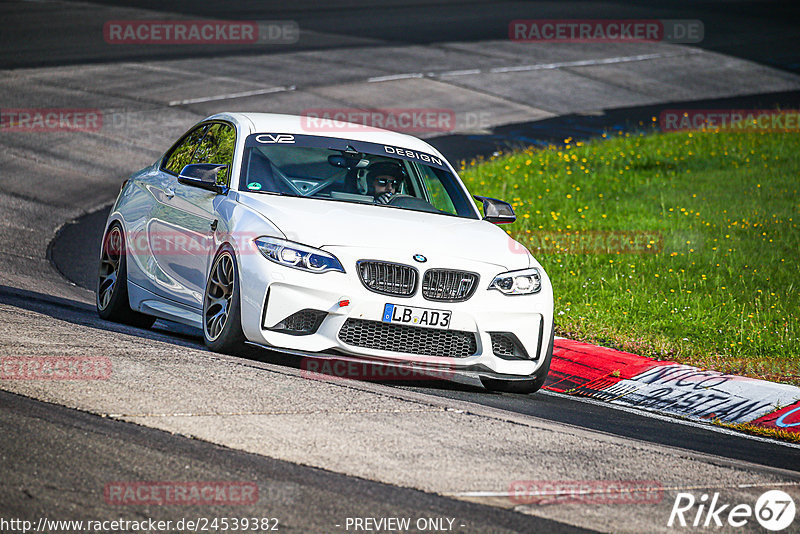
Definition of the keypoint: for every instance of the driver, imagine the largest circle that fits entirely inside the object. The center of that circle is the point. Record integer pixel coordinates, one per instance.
(383, 180)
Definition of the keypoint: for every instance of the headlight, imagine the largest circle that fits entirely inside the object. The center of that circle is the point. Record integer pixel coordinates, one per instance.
(298, 256)
(522, 282)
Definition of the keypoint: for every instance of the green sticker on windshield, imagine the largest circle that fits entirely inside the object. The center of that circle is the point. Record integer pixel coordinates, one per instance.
(255, 186)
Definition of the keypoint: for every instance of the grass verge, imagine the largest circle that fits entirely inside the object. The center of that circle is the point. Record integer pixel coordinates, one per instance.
(680, 246)
(754, 430)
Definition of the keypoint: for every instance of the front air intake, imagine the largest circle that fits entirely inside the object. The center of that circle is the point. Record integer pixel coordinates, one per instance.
(408, 339)
(507, 346)
(302, 323)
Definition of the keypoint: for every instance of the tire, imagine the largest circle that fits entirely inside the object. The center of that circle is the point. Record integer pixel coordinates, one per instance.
(222, 319)
(112, 282)
(524, 386)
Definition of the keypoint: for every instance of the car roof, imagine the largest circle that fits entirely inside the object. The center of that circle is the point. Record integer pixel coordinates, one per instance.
(295, 124)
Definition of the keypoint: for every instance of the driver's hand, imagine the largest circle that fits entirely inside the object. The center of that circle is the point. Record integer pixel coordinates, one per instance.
(384, 198)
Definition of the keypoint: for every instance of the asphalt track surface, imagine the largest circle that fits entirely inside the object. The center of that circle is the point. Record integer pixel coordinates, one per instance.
(303, 499)
(83, 451)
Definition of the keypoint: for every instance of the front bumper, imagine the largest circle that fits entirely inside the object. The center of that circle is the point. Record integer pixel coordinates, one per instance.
(270, 293)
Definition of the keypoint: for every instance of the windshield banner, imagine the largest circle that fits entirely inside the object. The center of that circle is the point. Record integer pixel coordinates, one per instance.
(349, 145)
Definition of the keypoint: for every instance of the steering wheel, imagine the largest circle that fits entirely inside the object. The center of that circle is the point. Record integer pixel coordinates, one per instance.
(399, 199)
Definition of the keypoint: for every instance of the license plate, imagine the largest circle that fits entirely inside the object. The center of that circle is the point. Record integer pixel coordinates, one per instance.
(393, 313)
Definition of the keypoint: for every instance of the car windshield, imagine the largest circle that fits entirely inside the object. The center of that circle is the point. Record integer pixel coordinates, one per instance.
(351, 171)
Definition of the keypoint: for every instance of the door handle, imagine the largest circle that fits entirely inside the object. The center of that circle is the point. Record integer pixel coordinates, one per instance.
(169, 192)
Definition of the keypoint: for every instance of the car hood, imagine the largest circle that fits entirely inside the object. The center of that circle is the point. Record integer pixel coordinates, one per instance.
(325, 223)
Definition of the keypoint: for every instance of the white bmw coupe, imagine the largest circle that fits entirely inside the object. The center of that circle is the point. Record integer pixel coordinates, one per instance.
(352, 243)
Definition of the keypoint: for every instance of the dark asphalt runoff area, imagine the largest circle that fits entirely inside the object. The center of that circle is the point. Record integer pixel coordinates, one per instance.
(766, 32)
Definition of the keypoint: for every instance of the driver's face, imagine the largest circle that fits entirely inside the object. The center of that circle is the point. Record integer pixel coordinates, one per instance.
(385, 184)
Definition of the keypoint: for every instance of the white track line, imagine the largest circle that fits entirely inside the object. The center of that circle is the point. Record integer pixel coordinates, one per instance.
(229, 96)
(465, 72)
(555, 493)
(582, 63)
(525, 68)
(391, 77)
(445, 74)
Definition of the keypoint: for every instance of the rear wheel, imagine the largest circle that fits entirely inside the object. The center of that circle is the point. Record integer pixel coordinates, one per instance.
(112, 283)
(524, 386)
(222, 319)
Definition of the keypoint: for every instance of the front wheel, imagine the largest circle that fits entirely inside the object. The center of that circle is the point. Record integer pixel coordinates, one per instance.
(112, 283)
(222, 319)
(524, 386)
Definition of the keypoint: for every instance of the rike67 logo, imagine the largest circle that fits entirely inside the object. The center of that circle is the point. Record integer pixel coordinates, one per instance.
(774, 510)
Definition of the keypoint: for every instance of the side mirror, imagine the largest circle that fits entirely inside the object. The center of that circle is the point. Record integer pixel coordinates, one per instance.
(497, 211)
(204, 176)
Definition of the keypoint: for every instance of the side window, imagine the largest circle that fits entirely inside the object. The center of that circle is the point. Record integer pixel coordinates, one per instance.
(437, 193)
(217, 147)
(182, 154)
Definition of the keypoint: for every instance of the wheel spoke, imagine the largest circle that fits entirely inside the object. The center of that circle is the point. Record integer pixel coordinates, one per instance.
(106, 291)
(229, 272)
(219, 286)
(108, 281)
(217, 301)
(109, 267)
(212, 327)
(216, 322)
(219, 293)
